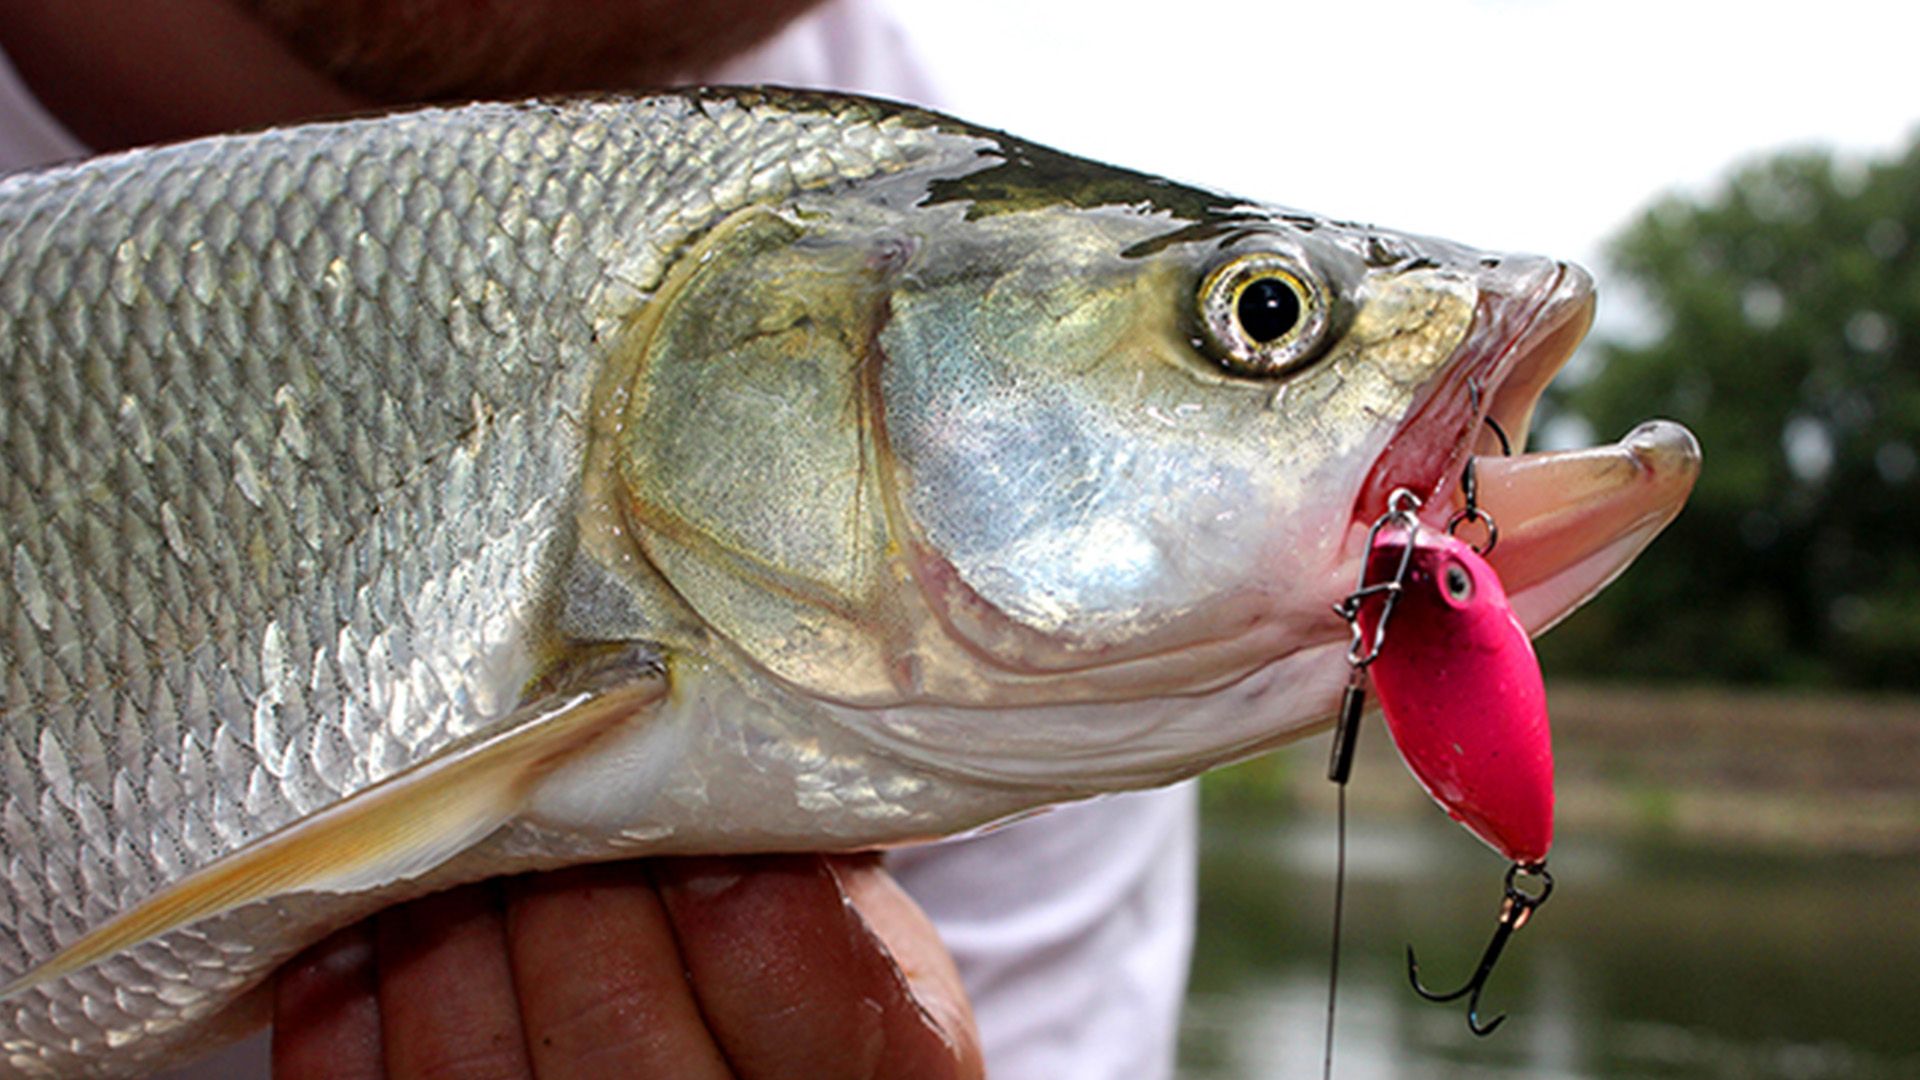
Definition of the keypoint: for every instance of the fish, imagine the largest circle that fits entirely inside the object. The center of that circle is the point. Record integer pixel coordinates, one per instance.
(402, 500)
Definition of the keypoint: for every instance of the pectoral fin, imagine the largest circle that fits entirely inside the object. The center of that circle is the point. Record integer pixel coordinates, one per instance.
(394, 830)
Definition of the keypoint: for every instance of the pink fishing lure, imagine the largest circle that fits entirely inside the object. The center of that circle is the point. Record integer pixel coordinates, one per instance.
(1461, 689)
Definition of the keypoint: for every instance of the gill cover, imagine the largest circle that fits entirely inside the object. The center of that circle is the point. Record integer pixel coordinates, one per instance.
(748, 479)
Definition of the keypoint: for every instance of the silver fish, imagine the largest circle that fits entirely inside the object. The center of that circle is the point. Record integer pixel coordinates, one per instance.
(395, 502)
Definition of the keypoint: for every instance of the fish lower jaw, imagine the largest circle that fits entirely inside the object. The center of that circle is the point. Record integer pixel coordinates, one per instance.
(1045, 752)
(1570, 521)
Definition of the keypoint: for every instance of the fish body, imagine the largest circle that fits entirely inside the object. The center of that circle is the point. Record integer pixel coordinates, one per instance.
(1462, 694)
(399, 501)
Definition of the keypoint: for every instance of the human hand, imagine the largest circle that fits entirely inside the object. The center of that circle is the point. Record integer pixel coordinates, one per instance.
(765, 966)
(123, 74)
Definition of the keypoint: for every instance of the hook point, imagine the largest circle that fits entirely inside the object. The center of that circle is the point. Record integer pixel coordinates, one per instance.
(1473, 1023)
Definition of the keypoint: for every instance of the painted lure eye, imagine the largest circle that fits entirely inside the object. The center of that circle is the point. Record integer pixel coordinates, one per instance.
(1459, 584)
(1264, 316)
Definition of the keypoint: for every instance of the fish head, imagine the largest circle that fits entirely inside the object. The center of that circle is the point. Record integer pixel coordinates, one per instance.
(1037, 468)
(1109, 439)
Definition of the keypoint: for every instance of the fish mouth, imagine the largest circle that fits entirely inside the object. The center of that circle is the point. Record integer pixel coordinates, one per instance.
(1569, 521)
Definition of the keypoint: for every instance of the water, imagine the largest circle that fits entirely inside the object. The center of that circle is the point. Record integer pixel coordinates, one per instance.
(1651, 960)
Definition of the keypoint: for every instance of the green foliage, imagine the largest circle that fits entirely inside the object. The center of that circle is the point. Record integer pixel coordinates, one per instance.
(1788, 313)
(1259, 783)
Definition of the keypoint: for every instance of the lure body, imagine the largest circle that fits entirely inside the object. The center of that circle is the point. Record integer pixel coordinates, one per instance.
(1461, 689)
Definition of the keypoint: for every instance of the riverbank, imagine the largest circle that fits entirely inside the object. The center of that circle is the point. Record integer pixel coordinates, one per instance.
(1740, 769)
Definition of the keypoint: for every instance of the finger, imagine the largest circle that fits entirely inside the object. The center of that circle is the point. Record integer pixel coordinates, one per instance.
(326, 1013)
(447, 1004)
(120, 74)
(791, 979)
(920, 955)
(602, 989)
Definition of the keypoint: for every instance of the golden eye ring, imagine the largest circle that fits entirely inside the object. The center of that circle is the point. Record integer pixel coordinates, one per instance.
(1263, 315)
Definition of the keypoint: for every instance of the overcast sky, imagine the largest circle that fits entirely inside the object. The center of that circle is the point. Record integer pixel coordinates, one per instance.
(1506, 124)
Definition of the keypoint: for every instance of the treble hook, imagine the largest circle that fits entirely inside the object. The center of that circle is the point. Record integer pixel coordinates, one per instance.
(1515, 910)
(1506, 444)
(1470, 487)
(1474, 391)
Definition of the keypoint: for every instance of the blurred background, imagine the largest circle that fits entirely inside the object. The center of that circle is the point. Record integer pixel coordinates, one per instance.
(1736, 726)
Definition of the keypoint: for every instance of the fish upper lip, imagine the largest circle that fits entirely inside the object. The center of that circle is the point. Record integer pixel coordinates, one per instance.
(1525, 326)
(1519, 374)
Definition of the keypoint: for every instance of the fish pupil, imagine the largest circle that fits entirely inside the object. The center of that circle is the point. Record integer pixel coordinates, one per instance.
(1268, 309)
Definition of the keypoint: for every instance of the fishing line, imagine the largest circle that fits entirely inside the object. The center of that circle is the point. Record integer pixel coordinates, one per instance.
(1362, 650)
(1339, 905)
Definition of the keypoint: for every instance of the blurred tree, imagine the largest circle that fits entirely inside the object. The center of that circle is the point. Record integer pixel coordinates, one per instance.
(1786, 311)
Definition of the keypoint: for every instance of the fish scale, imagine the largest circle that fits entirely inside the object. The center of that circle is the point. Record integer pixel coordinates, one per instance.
(230, 411)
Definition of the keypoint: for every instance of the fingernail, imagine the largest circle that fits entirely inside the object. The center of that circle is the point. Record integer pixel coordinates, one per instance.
(703, 877)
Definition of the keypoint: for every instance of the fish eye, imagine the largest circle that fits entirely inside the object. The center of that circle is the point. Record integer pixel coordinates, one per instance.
(1459, 584)
(1263, 314)
(1268, 309)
